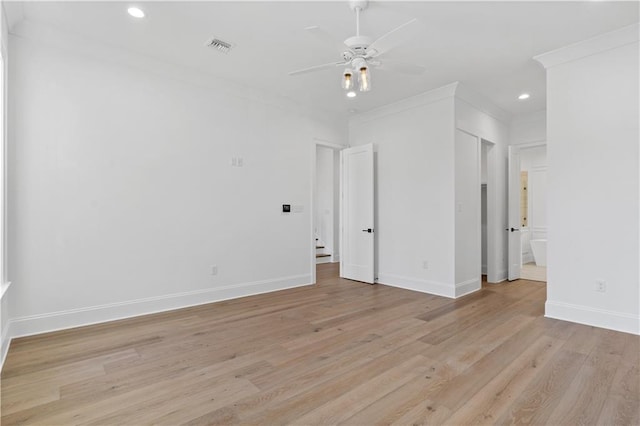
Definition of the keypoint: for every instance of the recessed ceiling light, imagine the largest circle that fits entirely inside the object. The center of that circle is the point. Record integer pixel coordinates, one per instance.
(351, 94)
(524, 96)
(135, 12)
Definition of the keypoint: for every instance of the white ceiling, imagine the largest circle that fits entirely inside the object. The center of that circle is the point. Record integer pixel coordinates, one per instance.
(487, 45)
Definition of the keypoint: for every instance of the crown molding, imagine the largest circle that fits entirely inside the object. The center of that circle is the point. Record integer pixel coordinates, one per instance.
(412, 102)
(607, 41)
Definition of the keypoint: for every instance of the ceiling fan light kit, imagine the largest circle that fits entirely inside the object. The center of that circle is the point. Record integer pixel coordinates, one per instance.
(347, 79)
(362, 52)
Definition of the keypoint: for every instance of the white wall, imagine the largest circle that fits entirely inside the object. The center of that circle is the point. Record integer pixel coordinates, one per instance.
(593, 133)
(414, 144)
(122, 193)
(528, 128)
(423, 242)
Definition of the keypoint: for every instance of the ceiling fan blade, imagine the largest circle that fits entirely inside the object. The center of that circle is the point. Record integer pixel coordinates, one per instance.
(326, 38)
(318, 68)
(401, 67)
(393, 38)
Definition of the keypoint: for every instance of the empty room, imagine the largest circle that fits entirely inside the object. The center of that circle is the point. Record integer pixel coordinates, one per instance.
(320, 212)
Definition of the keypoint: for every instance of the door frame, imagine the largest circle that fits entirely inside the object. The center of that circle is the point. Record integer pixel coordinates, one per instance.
(314, 147)
(493, 227)
(521, 146)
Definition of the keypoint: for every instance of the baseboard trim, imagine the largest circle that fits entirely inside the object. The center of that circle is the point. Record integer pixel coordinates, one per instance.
(416, 284)
(54, 321)
(467, 287)
(500, 277)
(4, 344)
(611, 320)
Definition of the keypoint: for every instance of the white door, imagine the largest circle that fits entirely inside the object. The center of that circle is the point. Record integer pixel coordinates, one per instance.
(515, 245)
(356, 219)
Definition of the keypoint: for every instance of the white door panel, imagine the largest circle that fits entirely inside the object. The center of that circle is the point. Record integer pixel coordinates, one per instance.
(356, 187)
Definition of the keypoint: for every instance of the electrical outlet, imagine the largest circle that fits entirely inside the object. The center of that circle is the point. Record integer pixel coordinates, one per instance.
(214, 270)
(601, 286)
(425, 264)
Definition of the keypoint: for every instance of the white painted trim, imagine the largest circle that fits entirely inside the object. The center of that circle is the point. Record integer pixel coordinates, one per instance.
(467, 287)
(417, 284)
(53, 321)
(406, 104)
(3, 288)
(5, 343)
(607, 41)
(328, 144)
(534, 144)
(611, 320)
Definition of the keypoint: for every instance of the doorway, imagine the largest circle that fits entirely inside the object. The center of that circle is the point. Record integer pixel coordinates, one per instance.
(488, 212)
(325, 202)
(533, 212)
(483, 210)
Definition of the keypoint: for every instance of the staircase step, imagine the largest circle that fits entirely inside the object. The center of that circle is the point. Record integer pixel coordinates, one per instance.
(322, 255)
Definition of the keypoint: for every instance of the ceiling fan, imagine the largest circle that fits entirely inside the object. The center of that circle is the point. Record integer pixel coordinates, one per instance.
(360, 52)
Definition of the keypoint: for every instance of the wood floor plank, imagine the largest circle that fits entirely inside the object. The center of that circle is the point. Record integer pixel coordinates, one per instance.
(537, 402)
(339, 352)
(493, 400)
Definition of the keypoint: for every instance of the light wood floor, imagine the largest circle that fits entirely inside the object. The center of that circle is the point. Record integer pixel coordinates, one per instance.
(339, 352)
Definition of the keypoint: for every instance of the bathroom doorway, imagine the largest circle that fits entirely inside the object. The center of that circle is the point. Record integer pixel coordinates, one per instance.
(533, 212)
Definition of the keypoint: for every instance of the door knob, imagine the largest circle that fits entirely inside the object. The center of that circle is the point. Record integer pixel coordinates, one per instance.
(369, 230)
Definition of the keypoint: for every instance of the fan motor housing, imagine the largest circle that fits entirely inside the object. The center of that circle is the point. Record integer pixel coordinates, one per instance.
(359, 44)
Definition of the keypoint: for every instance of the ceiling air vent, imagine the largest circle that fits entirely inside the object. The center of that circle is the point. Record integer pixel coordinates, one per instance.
(220, 45)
